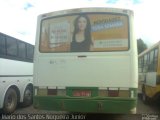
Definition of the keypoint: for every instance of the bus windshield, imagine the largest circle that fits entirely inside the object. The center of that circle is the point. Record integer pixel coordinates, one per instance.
(85, 32)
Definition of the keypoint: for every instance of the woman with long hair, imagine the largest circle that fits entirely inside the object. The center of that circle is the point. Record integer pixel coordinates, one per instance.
(81, 39)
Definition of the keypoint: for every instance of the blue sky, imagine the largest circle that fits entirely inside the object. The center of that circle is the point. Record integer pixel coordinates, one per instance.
(19, 17)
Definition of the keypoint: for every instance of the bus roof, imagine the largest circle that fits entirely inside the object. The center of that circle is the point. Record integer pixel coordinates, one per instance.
(89, 9)
(147, 50)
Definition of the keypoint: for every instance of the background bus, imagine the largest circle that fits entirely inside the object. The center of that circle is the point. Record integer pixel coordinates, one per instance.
(16, 73)
(149, 73)
(86, 61)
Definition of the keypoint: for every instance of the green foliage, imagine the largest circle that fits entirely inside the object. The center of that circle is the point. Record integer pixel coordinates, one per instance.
(141, 45)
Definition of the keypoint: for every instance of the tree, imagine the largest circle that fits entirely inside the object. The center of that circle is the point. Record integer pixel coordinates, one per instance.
(141, 45)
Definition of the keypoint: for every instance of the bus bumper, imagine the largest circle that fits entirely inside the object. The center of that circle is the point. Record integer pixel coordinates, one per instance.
(86, 105)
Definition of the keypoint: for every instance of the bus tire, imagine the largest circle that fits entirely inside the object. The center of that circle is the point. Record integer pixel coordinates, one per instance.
(10, 101)
(145, 98)
(28, 96)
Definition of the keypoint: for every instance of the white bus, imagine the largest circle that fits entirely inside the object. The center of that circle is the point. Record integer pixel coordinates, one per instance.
(16, 73)
(86, 61)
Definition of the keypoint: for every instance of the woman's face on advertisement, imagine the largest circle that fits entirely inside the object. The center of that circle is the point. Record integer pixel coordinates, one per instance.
(82, 23)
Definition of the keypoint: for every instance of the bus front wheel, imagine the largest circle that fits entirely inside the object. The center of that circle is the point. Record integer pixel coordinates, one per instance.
(10, 101)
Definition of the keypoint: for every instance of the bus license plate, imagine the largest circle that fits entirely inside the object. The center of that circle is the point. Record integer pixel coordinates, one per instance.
(82, 93)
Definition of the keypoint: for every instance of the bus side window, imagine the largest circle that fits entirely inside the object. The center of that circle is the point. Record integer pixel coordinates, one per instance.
(2, 45)
(21, 50)
(155, 59)
(140, 65)
(11, 46)
(145, 63)
(30, 50)
(151, 64)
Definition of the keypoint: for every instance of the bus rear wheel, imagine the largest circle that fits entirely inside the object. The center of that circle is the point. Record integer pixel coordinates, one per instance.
(145, 98)
(10, 101)
(28, 96)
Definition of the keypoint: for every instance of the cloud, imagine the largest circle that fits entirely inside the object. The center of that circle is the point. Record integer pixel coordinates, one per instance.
(146, 18)
(147, 21)
(111, 1)
(136, 1)
(124, 1)
(19, 17)
(27, 5)
(16, 21)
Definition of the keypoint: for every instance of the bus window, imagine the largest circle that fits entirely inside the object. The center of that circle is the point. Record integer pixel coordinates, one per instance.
(30, 50)
(151, 61)
(155, 59)
(140, 64)
(2, 45)
(102, 32)
(21, 50)
(145, 63)
(11, 46)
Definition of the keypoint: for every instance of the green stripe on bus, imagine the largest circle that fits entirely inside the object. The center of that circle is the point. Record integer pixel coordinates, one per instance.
(95, 104)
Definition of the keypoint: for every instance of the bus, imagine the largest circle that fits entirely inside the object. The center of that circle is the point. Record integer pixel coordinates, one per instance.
(149, 73)
(86, 61)
(16, 73)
